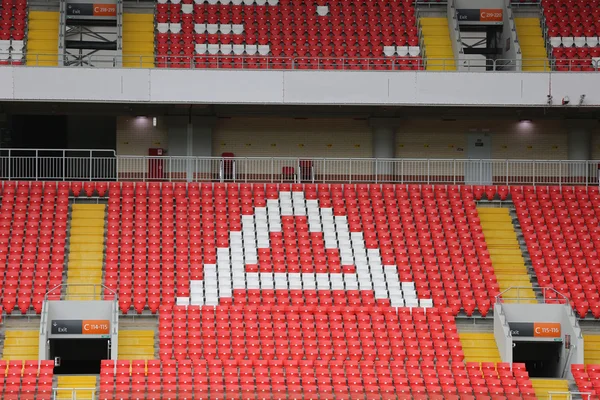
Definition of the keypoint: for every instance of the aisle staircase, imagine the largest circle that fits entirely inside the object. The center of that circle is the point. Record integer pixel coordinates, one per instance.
(479, 347)
(591, 349)
(136, 344)
(21, 345)
(543, 386)
(86, 252)
(438, 48)
(531, 40)
(42, 38)
(138, 40)
(505, 253)
(75, 387)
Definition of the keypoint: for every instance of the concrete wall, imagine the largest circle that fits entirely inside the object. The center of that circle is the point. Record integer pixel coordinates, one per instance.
(544, 313)
(295, 87)
(91, 132)
(509, 42)
(312, 137)
(78, 310)
(135, 135)
(478, 4)
(342, 137)
(502, 334)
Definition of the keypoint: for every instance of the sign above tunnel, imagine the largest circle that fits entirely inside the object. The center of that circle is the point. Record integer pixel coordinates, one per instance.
(480, 16)
(80, 327)
(535, 329)
(90, 10)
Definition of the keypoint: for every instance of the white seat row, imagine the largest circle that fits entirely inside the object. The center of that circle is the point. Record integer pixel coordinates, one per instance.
(234, 2)
(235, 29)
(7, 45)
(322, 10)
(229, 273)
(236, 49)
(402, 51)
(568, 41)
(12, 55)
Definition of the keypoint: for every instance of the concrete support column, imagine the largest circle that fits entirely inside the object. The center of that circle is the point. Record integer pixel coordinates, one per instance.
(200, 145)
(384, 146)
(579, 139)
(384, 142)
(200, 136)
(190, 137)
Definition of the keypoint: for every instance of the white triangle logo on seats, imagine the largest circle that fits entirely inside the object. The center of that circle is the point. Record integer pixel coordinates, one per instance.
(233, 271)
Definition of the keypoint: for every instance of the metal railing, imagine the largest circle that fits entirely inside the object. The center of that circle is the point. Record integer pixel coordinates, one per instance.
(98, 293)
(569, 395)
(38, 165)
(519, 294)
(76, 393)
(57, 164)
(232, 61)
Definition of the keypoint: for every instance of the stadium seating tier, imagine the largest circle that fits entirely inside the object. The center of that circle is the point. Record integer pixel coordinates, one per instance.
(573, 28)
(13, 21)
(284, 34)
(208, 243)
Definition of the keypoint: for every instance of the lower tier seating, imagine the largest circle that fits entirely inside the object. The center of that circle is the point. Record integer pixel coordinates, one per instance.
(27, 380)
(250, 331)
(562, 231)
(205, 244)
(323, 379)
(300, 244)
(33, 229)
(587, 378)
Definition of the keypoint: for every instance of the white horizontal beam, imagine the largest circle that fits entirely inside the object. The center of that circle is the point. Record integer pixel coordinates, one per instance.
(297, 87)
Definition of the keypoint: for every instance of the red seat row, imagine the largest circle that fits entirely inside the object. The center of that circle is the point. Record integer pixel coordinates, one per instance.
(290, 29)
(33, 229)
(13, 19)
(587, 378)
(27, 380)
(561, 229)
(324, 379)
(431, 233)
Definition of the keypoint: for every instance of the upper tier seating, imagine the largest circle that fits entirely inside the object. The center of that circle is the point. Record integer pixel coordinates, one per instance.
(33, 227)
(376, 34)
(26, 380)
(211, 243)
(562, 232)
(573, 27)
(13, 18)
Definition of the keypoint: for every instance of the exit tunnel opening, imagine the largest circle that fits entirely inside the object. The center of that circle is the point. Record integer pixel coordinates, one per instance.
(541, 358)
(79, 356)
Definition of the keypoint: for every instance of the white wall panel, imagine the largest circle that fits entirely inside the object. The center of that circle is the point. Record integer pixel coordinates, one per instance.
(481, 88)
(351, 87)
(296, 87)
(210, 86)
(6, 83)
(81, 84)
(576, 84)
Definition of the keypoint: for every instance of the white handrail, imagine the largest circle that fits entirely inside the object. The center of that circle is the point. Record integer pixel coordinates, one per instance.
(90, 393)
(108, 167)
(569, 395)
